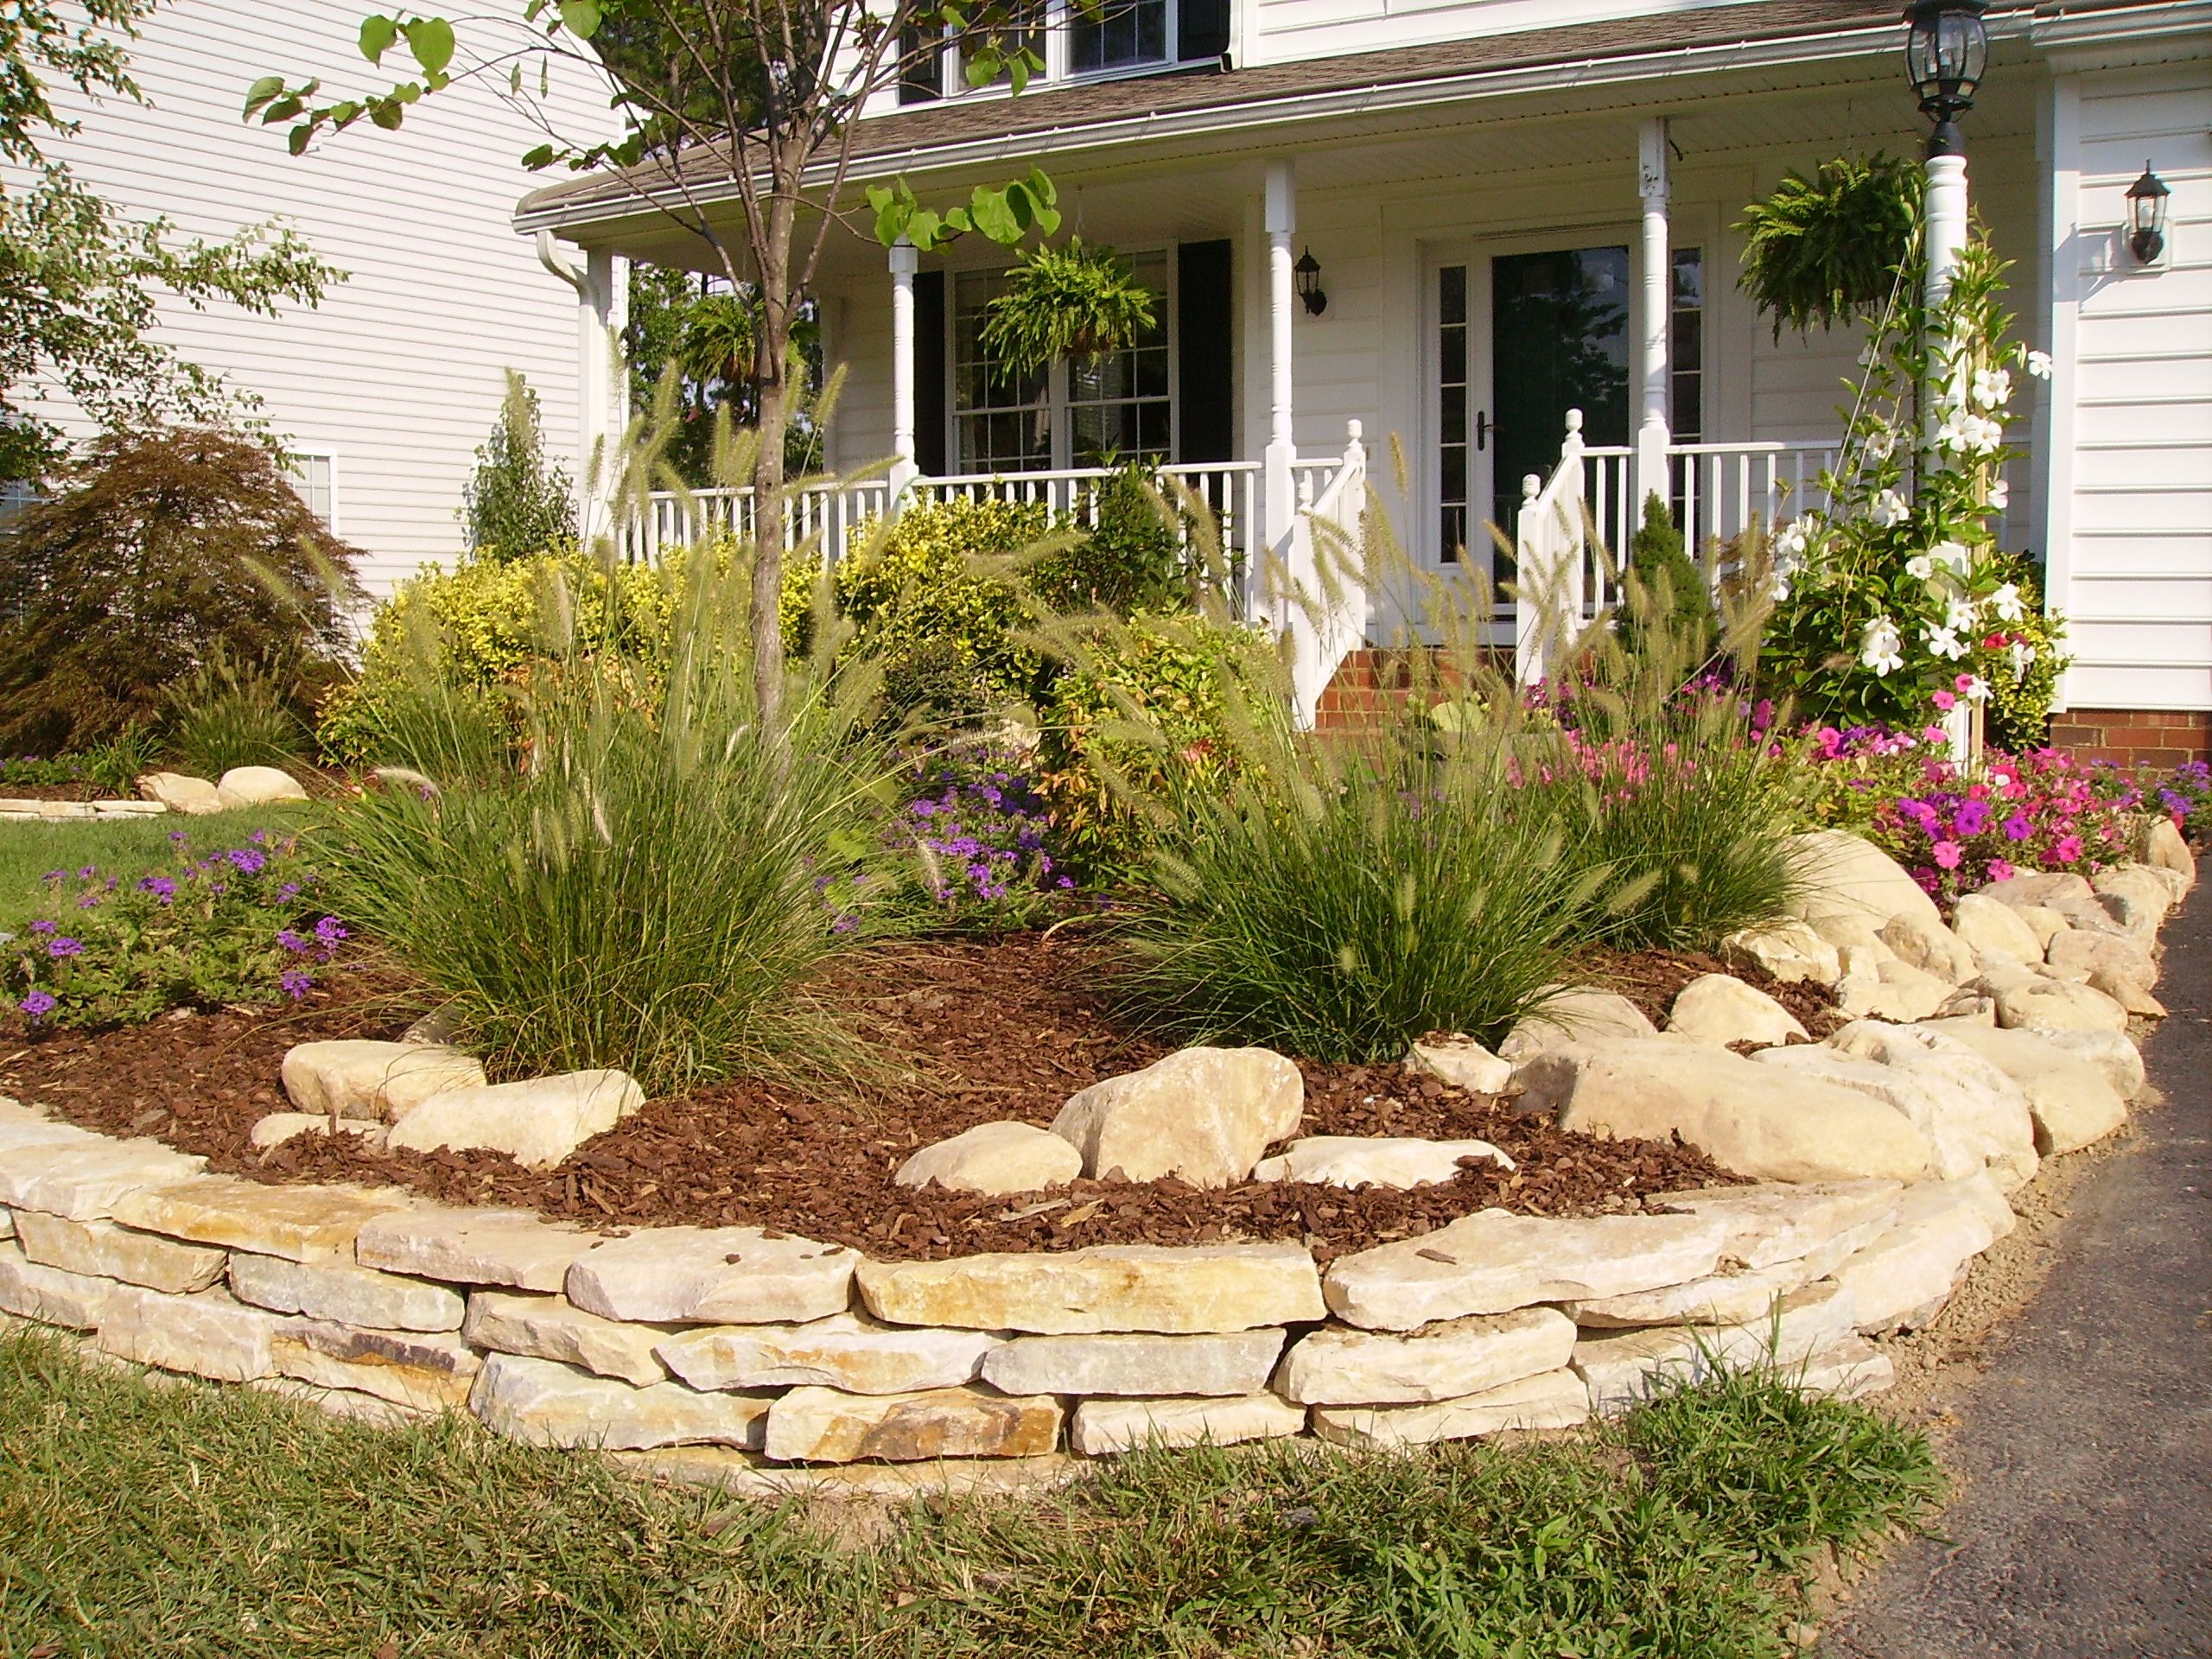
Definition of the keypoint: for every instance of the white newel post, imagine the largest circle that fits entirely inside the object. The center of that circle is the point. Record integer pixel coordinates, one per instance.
(904, 262)
(1280, 505)
(1944, 232)
(601, 282)
(1653, 435)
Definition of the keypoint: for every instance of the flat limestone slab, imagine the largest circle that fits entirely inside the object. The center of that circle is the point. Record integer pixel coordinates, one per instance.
(379, 1082)
(548, 1327)
(1134, 1363)
(544, 1403)
(301, 1223)
(85, 1179)
(1208, 1288)
(20, 1126)
(419, 1387)
(1102, 1427)
(341, 1403)
(1494, 1262)
(1728, 1297)
(744, 1474)
(843, 1352)
(512, 1248)
(1446, 1361)
(1940, 1226)
(1782, 1221)
(824, 1425)
(1852, 1367)
(51, 1295)
(438, 1353)
(712, 1275)
(211, 1334)
(1622, 1369)
(108, 1251)
(347, 1295)
(1554, 1400)
(1374, 1160)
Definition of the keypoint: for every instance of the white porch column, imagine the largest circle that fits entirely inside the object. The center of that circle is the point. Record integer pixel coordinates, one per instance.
(1281, 510)
(1943, 232)
(904, 260)
(601, 282)
(1652, 435)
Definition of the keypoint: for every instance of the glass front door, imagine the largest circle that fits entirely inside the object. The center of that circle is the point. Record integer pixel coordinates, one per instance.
(1521, 339)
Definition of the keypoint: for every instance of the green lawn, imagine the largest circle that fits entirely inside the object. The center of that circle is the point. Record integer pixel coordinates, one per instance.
(209, 1521)
(31, 847)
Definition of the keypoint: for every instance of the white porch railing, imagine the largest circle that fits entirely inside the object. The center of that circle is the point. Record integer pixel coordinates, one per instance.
(831, 509)
(1324, 580)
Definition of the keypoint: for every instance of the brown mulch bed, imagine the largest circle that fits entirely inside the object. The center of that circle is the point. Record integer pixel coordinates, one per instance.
(1006, 1028)
(1652, 979)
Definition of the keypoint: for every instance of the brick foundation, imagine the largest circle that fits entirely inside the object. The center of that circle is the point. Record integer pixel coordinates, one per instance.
(2134, 737)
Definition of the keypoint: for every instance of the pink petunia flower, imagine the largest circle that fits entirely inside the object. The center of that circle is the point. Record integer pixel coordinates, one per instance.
(1946, 854)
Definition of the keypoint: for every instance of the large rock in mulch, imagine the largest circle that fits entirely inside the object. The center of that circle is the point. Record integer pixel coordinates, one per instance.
(843, 1352)
(180, 793)
(301, 1223)
(1376, 1161)
(1727, 1106)
(245, 786)
(1892, 990)
(83, 1178)
(1444, 1360)
(1205, 1287)
(1930, 946)
(2044, 922)
(51, 1295)
(1843, 875)
(1621, 1368)
(382, 1082)
(536, 1122)
(1463, 1062)
(424, 1371)
(1581, 1014)
(734, 1275)
(2163, 847)
(545, 1403)
(550, 1327)
(1554, 1400)
(1201, 1115)
(1721, 1008)
(511, 1248)
(1493, 1262)
(1986, 923)
(106, 1250)
(2112, 1052)
(345, 1294)
(1125, 1364)
(1971, 1113)
(2069, 1099)
(822, 1426)
(2099, 957)
(211, 1334)
(1788, 951)
(2035, 1002)
(1103, 1428)
(274, 1129)
(2146, 895)
(2048, 889)
(994, 1159)
(1904, 1275)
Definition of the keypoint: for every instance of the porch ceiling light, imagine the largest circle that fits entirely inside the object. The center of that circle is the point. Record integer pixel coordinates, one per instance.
(1308, 272)
(1945, 49)
(2146, 216)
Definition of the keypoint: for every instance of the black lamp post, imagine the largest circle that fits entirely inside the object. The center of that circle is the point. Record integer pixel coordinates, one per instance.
(2146, 216)
(1945, 49)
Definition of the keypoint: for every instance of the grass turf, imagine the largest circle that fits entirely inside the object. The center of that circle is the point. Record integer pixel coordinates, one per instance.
(198, 1520)
(31, 847)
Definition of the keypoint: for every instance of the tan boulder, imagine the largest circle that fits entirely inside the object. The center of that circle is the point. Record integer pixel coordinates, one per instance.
(2112, 1052)
(106, 1250)
(2081, 955)
(1985, 923)
(1895, 990)
(1789, 952)
(180, 793)
(1554, 1400)
(2071, 1102)
(2042, 921)
(1726, 1106)
(994, 1158)
(813, 1424)
(1448, 1360)
(2049, 890)
(1463, 1062)
(1194, 1288)
(1357, 1161)
(1103, 1428)
(1583, 1014)
(1721, 1009)
(245, 786)
(381, 1082)
(538, 1122)
(2164, 845)
(1843, 875)
(1930, 946)
(1494, 1262)
(2036, 1003)
(1134, 1363)
(2138, 885)
(1202, 1114)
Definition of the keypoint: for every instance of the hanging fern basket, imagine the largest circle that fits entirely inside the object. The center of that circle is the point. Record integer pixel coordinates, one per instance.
(1835, 246)
(1069, 302)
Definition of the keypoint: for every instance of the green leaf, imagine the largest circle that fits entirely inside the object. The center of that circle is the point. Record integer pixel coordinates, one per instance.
(983, 68)
(430, 39)
(345, 113)
(262, 94)
(296, 140)
(580, 17)
(540, 157)
(1017, 72)
(994, 216)
(387, 113)
(378, 33)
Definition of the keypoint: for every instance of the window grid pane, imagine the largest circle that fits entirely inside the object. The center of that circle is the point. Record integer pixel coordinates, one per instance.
(1451, 412)
(1004, 417)
(1118, 33)
(1118, 405)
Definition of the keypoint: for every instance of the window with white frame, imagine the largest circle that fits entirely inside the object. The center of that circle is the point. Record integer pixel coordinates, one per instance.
(1074, 39)
(1072, 414)
(315, 479)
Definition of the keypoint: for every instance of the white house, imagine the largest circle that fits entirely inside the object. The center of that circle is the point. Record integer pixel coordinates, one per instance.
(1521, 206)
(386, 389)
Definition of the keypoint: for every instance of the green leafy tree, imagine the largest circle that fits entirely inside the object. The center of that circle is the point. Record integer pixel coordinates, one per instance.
(754, 99)
(81, 286)
(516, 502)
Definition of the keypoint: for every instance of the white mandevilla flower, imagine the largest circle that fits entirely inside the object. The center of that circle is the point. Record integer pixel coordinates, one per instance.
(1976, 689)
(1793, 538)
(1986, 436)
(1881, 647)
(2039, 365)
(1920, 567)
(1992, 388)
(1952, 556)
(2004, 604)
(2022, 654)
(1890, 510)
(1882, 443)
(1944, 643)
(1958, 614)
(1951, 434)
(1777, 586)
(2000, 496)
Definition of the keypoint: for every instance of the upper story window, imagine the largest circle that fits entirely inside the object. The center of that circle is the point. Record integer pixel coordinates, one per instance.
(1109, 37)
(1120, 35)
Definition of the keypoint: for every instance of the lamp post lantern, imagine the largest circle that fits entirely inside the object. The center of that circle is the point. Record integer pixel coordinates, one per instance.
(1946, 50)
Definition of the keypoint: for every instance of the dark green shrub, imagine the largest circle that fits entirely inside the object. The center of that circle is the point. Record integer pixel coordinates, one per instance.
(165, 551)
(1130, 561)
(1668, 583)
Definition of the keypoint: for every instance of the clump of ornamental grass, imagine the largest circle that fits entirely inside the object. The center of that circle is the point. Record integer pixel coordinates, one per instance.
(633, 868)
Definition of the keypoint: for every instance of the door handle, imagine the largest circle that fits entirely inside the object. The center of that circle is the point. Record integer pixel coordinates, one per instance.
(1484, 428)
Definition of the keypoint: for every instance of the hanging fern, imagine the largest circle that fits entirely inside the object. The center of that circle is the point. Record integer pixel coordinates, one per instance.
(1067, 302)
(1827, 249)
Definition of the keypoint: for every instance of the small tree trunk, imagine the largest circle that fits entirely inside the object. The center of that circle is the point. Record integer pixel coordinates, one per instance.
(779, 306)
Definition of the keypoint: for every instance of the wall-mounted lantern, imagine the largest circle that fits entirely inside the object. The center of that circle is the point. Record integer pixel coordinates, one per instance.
(2146, 216)
(1308, 272)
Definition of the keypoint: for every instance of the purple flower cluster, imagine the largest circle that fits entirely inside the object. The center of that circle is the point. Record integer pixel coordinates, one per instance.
(982, 838)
